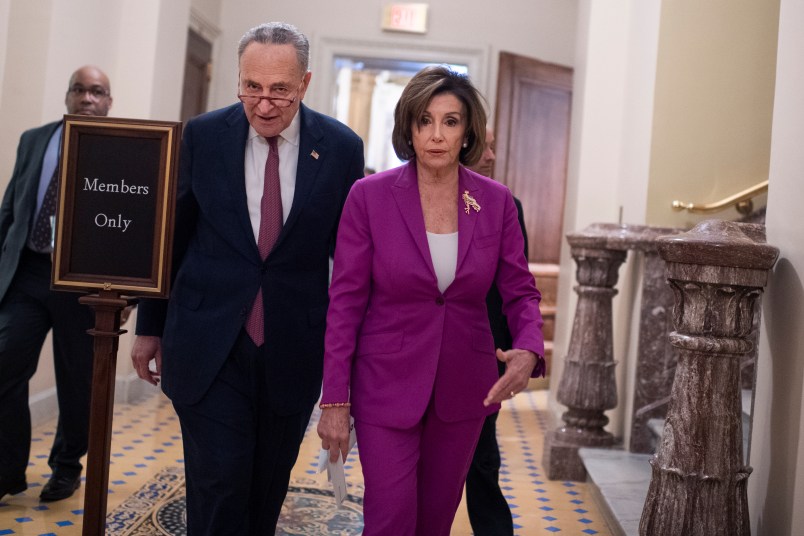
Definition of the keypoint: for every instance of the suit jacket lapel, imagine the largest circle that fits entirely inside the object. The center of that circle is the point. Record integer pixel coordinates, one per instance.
(312, 152)
(31, 187)
(233, 148)
(466, 221)
(406, 193)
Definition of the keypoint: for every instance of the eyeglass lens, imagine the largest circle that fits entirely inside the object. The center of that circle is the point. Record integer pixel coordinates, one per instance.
(96, 92)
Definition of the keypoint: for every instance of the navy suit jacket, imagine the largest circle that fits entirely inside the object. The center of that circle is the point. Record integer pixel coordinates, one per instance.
(19, 201)
(218, 268)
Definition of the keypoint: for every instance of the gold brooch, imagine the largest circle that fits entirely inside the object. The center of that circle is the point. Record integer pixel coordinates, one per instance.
(469, 201)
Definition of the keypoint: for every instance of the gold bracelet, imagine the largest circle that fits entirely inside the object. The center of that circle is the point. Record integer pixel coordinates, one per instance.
(335, 405)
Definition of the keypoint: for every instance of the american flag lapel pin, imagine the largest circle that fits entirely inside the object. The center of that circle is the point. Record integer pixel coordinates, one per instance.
(314, 154)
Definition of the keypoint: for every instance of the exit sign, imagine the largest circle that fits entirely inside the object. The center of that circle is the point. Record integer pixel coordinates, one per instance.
(405, 18)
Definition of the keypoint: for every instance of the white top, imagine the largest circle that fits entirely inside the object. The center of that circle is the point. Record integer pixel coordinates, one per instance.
(256, 155)
(444, 252)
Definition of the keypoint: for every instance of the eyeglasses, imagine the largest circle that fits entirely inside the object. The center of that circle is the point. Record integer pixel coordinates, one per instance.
(95, 92)
(254, 100)
(278, 102)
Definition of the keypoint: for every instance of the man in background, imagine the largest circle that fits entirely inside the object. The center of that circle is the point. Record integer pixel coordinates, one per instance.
(240, 343)
(488, 510)
(29, 309)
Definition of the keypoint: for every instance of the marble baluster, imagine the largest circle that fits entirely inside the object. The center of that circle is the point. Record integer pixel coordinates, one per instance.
(656, 358)
(698, 487)
(588, 385)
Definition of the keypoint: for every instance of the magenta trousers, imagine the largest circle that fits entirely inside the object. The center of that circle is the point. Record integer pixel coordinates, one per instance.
(414, 477)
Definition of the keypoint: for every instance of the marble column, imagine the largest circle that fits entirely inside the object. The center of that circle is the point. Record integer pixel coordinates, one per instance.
(698, 487)
(588, 385)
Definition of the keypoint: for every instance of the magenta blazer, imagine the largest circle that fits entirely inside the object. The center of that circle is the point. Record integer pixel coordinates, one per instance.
(393, 340)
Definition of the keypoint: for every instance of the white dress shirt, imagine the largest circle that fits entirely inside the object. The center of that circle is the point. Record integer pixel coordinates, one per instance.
(256, 155)
(444, 253)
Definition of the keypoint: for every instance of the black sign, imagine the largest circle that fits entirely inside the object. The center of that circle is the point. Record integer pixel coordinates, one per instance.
(116, 194)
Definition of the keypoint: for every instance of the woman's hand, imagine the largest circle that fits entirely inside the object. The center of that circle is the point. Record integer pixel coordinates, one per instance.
(519, 365)
(333, 429)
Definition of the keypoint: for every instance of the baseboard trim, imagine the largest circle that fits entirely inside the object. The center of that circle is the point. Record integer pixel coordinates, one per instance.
(127, 389)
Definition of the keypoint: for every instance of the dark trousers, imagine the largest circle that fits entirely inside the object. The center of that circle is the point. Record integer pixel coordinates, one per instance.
(27, 313)
(488, 510)
(238, 453)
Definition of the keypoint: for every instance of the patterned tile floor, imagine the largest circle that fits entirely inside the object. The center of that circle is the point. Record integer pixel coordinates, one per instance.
(146, 438)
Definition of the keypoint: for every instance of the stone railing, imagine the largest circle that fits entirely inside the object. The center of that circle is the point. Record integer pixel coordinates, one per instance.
(699, 475)
(588, 385)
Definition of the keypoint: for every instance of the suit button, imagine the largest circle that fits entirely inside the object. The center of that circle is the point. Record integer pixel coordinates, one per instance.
(264, 269)
(244, 311)
(440, 300)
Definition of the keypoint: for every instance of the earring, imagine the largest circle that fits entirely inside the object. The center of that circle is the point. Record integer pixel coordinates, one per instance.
(465, 144)
(410, 143)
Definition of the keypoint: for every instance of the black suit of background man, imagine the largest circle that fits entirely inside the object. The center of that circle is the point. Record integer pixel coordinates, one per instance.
(488, 510)
(29, 309)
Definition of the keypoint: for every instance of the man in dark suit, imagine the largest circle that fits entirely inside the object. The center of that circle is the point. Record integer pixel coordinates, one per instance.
(29, 309)
(239, 344)
(488, 510)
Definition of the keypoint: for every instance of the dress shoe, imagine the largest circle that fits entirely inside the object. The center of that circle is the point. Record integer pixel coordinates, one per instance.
(59, 487)
(9, 486)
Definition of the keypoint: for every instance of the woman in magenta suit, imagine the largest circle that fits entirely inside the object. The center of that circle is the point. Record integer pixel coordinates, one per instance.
(409, 352)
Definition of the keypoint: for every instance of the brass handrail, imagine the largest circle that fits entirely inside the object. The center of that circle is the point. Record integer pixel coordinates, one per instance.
(741, 201)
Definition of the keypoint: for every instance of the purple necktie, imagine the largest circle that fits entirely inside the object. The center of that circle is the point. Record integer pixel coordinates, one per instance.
(270, 226)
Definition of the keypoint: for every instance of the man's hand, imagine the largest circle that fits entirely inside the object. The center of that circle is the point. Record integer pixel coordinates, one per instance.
(146, 349)
(519, 365)
(125, 314)
(333, 429)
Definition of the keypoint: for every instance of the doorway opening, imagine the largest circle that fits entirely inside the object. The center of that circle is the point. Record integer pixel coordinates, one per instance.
(366, 92)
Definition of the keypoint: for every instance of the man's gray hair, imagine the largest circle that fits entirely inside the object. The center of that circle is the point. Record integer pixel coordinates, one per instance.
(278, 33)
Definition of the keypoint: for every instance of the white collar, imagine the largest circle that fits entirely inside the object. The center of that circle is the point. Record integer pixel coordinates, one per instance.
(290, 134)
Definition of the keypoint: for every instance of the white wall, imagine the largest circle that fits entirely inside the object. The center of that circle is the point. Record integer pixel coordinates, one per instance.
(609, 154)
(776, 488)
(544, 29)
(5, 8)
(713, 104)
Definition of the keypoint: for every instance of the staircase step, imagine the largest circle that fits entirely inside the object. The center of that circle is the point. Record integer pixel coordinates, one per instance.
(620, 482)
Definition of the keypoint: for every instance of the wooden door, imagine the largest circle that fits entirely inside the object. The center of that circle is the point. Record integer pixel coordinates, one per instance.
(197, 71)
(532, 135)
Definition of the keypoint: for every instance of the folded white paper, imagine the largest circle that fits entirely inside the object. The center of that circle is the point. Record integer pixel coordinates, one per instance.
(335, 473)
